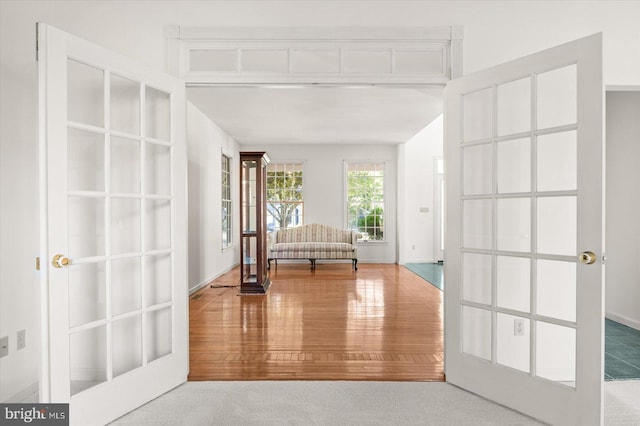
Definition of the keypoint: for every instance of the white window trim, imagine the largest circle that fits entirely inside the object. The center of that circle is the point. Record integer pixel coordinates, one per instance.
(345, 198)
(304, 173)
(229, 155)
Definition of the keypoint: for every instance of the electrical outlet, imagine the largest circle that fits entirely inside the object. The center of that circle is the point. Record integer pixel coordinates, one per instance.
(22, 339)
(4, 346)
(518, 327)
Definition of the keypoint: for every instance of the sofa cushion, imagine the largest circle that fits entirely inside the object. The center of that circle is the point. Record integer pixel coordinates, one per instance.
(314, 233)
(313, 247)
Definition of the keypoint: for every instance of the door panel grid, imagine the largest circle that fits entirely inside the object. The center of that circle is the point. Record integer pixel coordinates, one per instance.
(508, 217)
(113, 196)
(120, 204)
(521, 219)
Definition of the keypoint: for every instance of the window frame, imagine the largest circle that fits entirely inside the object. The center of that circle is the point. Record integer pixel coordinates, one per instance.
(385, 203)
(286, 163)
(226, 202)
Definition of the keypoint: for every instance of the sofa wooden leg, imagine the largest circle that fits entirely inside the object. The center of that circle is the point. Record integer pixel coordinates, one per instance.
(268, 264)
(313, 264)
(355, 264)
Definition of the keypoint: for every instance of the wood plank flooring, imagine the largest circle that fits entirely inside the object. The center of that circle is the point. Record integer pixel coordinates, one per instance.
(380, 323)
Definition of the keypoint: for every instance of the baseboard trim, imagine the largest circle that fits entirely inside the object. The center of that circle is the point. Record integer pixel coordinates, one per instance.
(21, 396)
(623, 320)
(213, 277)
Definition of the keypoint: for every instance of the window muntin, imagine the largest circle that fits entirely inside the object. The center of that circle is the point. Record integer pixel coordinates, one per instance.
(227, 212)
(365, 199)
(285, 201)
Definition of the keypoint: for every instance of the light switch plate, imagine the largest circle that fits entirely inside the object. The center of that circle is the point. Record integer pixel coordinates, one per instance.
(4, 346)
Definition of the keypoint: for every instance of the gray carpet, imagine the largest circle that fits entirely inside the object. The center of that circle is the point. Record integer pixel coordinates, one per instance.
(321, 403)
(349, 403)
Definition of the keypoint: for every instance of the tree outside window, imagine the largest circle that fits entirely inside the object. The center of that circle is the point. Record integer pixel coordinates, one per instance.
(365, 199)
(285, 203)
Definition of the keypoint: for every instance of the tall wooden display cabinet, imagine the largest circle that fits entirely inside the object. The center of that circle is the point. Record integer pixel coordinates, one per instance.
(254, 276)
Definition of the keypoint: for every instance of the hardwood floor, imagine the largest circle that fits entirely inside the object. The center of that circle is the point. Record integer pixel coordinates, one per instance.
(380, 323)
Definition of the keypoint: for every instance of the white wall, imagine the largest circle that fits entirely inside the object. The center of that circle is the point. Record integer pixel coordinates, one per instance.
(205, 144)
(416, 189)
(623, 207)
(323, 186)
(495, 31)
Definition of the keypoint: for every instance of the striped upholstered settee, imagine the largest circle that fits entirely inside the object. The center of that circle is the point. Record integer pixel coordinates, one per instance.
(313, 242)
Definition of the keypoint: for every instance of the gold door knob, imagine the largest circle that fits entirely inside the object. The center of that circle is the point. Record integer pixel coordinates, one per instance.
(587, 257)
(59, 261)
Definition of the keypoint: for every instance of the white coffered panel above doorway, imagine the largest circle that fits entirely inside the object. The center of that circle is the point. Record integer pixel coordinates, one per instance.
(337, 55)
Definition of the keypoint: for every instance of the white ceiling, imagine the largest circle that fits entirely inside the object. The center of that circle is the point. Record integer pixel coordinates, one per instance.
(319, 114)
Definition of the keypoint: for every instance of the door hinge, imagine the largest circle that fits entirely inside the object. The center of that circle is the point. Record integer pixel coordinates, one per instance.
(37, 263)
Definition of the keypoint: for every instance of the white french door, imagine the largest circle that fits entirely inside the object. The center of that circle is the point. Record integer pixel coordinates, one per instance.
(524, 277)
(113, 167)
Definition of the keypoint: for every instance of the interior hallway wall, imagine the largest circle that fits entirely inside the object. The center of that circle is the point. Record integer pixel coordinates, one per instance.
(623, 206)
(205, 145)
(416, 191)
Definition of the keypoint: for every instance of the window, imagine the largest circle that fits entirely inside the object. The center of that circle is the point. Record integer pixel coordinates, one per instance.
(365, 199)
(227, 212)
(285, 203)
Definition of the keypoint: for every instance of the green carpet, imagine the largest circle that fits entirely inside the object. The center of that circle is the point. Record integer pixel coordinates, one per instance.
(621, 351)
(430, 272)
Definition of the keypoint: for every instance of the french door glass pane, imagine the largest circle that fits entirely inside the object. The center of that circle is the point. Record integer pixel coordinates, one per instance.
(514, 224)
(85, 160)
(556, 295)
(158, 107)
(476, 278)
(125, 165)
(85, 94)
(513, 342)
(126, 285)
(477, 224)
(86, 227)
(514, 166)
(513, 279)
(557, 97)
(514, 107)
(157, 224)
(159, 332)
(557, 225)
(158, 169)
(88, 358)
(477, 116)
(125, 225)
(87, 293)
(127, 344)
(556, 353)
(157, 279)
(125, 105)
(558, 161)
(477, 169)
(476, 332)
